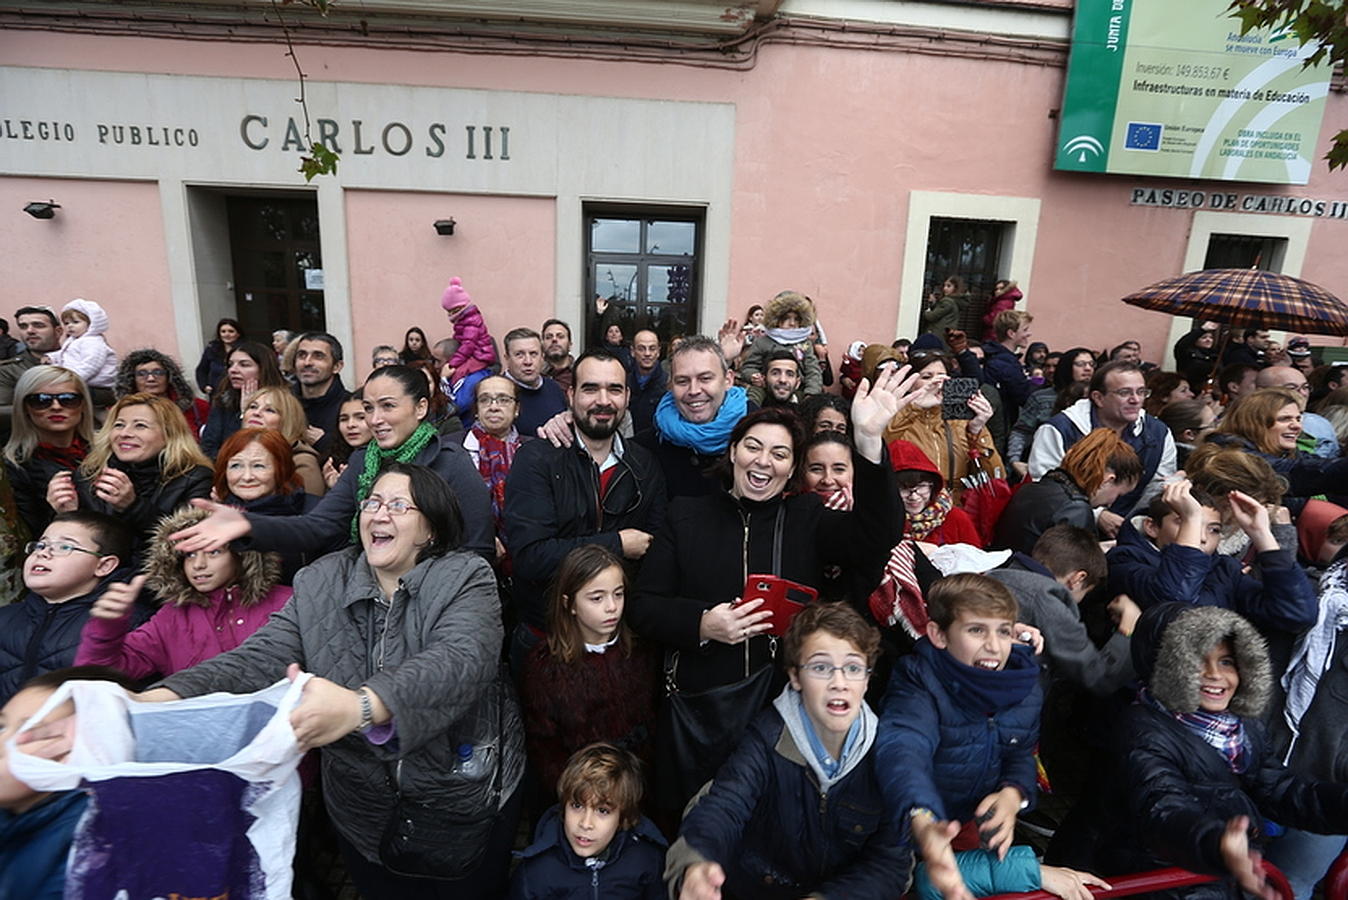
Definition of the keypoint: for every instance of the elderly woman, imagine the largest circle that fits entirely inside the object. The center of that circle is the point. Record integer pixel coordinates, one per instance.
(150, 372)
(51, 436)
(278, 409)
(693, 576)
(958, 447)
(403, 633)
(255, 471)
(143, 465)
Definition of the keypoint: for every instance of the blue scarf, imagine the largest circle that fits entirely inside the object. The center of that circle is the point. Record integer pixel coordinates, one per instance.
(984, 690)
(709, 438)
(790, 335)
(830, 765)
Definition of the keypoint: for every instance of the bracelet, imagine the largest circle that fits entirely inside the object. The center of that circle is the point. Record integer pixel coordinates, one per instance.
(366, 708)
(920, 811)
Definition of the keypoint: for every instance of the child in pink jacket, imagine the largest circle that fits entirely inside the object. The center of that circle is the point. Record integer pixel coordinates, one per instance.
(475, 348)
(213, 601)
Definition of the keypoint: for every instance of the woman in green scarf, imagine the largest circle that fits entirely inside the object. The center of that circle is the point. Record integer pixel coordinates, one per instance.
(397, 409)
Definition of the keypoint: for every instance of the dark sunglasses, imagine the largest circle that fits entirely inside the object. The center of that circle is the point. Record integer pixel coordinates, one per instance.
(69, 400)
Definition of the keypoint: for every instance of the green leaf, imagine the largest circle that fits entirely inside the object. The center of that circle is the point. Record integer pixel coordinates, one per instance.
(1338, 152)
(321, 161)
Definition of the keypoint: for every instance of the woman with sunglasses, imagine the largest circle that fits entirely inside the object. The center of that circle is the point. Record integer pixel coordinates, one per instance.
(51, 433)
(143, 465)
(150, 372)
(397, 405)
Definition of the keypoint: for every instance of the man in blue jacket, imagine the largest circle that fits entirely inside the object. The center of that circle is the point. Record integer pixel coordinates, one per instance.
(1002, 367)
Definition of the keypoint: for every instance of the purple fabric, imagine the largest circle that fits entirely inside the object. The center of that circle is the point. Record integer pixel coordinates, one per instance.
(381, 734)
(181, 835)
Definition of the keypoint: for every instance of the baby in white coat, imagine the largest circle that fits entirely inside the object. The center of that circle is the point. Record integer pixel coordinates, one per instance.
(84, 350)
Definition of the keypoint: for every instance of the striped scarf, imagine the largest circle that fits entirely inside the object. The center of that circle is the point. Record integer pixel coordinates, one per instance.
(494, 456)
(923, 523)
(898, 600)
(1223, 731)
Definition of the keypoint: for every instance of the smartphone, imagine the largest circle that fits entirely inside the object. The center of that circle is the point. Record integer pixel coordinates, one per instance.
(955, 398)
(783, 597)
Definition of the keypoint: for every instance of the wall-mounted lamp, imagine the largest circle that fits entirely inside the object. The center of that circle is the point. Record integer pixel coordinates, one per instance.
(444, 227)
(46, 209)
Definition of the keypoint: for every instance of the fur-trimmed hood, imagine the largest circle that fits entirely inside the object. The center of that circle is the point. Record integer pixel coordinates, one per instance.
(179, 390)
(1169, 644)
(788, 302)
(258, 572)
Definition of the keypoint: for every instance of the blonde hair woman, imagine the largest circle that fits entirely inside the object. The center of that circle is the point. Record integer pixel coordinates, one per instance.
(278, 409)
(143, 465)
(51, 432)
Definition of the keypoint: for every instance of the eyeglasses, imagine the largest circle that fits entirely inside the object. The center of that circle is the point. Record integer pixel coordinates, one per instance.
(150, 373)
(394, 507)
(1298, 388)
(382, 361)
(824, 671)
(56, 548)
(69, 400)
(495, 400)
(1130, 393)
(916, 490)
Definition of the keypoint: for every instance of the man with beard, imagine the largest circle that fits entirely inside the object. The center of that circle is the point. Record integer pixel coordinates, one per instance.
(557, 353)
(40, 331)
(318, 360)
(599, 490)
(781, 380)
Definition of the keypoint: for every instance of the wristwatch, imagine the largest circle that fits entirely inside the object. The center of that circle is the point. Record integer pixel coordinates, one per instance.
(366, 708)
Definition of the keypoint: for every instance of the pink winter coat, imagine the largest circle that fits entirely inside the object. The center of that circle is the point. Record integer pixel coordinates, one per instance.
(177, 637)
(474, 342)
(1001, 302)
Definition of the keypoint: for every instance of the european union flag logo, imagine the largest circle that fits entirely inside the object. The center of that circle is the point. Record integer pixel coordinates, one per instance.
(1142, 136)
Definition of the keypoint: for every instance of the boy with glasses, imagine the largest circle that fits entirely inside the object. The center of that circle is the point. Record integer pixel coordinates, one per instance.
(65, 572)
(796, 806)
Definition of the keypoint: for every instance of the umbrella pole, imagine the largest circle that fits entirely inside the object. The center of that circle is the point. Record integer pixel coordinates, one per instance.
(1217, 361)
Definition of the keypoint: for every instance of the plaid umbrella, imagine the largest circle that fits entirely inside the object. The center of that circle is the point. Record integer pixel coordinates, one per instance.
(1247, 298)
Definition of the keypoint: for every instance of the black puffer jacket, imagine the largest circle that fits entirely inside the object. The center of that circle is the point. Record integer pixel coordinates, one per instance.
(553, 505)
(438, 641)
(1039, 505)
(154, 498)
(1174, 793)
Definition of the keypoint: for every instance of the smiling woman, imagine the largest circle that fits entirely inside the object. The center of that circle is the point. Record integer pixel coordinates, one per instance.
(144, 464)
(687, 593)
(50, 436)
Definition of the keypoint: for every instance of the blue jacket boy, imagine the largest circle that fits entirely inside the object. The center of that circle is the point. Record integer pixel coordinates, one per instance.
(34, 845)
(630, 869)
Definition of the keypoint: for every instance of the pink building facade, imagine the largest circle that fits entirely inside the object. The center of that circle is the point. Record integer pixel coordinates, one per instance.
(827, 146)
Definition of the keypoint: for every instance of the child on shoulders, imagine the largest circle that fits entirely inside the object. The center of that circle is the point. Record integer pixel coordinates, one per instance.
(84, 349)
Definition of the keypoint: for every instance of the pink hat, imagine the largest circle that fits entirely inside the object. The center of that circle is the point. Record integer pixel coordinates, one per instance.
(455, 296)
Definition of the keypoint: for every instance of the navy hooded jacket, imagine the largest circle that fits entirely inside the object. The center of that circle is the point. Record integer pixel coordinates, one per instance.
(632, 867)
(1283, 601)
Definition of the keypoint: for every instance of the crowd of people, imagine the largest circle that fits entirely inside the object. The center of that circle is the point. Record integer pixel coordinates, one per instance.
(710, 617)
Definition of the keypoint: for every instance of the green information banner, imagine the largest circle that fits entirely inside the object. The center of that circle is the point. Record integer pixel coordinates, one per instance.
(1172, 88)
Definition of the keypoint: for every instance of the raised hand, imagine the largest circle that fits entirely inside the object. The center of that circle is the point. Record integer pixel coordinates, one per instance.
(117, 600)
(875, 405)
(224, 524)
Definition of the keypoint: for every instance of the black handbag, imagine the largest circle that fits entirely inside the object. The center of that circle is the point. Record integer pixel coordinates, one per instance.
(699, 729)
(443, 842)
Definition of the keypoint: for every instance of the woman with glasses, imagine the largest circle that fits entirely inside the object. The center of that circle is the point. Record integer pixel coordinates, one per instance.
(1268, 422)
(1075, 367)
(958, 447)
(397, 404)
(694, 574)
(151, 372)
(493, 441)
(929, 511)
(255, 471)
(51, 432)
(795, 810)
(143, 465)
(403, 635)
